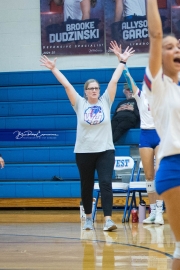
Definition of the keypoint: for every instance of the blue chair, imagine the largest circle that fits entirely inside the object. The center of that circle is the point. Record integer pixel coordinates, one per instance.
(136, 186)
(124, 164)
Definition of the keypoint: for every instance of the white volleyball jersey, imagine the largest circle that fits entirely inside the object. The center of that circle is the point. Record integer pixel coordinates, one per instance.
(72, 9)
(134, 7)
(164, 99)
(144, 110)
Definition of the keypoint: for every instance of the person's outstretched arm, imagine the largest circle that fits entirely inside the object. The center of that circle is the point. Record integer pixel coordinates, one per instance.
(112, 86)
(117, 51)
(71, 92)
(155, 36)
(131, 83)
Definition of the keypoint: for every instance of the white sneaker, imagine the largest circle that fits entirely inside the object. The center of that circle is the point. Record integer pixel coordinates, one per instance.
(159, 218)
(109, 225)
(151, 218)
(88, 225)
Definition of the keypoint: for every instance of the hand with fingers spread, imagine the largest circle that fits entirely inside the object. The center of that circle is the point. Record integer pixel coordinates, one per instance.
(127, 53)
(117, 50)
(48, 63)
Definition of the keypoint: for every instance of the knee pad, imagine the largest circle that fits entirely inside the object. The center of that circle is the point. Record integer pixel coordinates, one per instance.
(150, 186)
(176, 254)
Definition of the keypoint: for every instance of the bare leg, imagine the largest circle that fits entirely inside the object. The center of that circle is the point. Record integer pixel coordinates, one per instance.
(147, 157)
(156, 205)
(172, 200)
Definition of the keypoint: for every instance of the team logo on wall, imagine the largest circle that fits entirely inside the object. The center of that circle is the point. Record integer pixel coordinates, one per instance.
(72, 27)
(126, 22)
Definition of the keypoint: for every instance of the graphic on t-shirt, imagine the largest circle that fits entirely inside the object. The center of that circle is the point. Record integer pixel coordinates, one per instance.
(94, 115)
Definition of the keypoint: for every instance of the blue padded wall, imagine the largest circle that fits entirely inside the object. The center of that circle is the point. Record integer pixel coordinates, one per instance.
(36, 101)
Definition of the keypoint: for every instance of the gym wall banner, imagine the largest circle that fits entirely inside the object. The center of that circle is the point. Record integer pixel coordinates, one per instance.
(72, 27)
(126, 22)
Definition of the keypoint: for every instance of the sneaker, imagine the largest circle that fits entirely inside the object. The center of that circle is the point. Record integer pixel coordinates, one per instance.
(159, 212)
(109, 225)
(159, 218)
(151, 218)
(88, 225)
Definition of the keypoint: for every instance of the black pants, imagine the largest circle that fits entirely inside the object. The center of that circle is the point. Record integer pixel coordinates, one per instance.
(103, 162)
(120, 125)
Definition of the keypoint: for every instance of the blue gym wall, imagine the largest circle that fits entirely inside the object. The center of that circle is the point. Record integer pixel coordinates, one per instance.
(39, 103)
(32, 99)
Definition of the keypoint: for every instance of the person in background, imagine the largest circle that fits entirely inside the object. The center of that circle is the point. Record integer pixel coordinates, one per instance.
(126, 115)
(75, 9)
(162, 88)
(148, 147)
(94, 147)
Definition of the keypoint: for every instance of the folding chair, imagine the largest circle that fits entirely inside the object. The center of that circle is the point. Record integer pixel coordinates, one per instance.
(135, 186)
(123, 164)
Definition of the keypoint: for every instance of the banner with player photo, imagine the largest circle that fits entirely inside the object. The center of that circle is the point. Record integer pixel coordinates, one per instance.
(126, 22)
(72, 27)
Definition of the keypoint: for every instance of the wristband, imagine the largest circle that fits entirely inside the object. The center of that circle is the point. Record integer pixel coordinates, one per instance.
(123, 62)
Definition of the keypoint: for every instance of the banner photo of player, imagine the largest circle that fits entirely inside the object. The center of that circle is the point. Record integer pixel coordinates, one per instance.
(126, 22)
(72, 27)
(176, 18)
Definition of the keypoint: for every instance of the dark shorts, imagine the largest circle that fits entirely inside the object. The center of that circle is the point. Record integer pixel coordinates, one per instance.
(168, 174)
(149, 138)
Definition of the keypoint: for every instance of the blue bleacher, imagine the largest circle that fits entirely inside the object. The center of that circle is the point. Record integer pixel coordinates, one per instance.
(36, 101)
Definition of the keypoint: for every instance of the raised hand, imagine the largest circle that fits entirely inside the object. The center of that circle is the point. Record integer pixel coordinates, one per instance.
(127, 53)
(48, 63)
(116, 49)
(2, 162)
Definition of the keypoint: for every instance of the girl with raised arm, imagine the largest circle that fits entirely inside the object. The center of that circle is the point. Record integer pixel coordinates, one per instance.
(94, 147)
(161, 83)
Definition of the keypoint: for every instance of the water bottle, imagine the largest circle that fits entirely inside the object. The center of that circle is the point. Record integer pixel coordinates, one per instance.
(134, 214)
(142, 211)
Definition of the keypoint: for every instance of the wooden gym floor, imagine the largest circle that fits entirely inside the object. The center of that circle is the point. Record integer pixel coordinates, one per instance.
(54, 239)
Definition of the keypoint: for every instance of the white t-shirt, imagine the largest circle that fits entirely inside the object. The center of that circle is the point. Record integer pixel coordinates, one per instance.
(131, 7)
(72, 9)
(164, 99)
(94, 133)
(144, 110)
